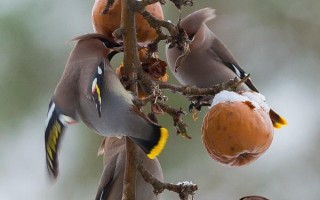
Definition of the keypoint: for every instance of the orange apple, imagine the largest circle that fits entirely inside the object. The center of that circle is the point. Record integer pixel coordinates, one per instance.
(106, 24)
(237, 132)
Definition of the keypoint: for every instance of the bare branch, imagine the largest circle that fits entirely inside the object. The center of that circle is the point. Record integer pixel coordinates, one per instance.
(131, 68)
(180, 3)
(177, 3)
(178, 36)
(176, 116)
(190, 91)
(184, 189)
(181, 58)
(107, 7)
(157, 24)
(149, 2)
(129, 183)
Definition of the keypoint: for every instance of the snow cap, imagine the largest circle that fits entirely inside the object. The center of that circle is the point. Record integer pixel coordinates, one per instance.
(256, 99)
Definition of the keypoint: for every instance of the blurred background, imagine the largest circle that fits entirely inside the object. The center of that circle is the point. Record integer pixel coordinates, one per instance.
(277, 42)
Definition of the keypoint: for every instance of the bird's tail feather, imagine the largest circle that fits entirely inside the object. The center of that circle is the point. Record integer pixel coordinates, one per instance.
(277, 120)
(195, 20)
(153, 146)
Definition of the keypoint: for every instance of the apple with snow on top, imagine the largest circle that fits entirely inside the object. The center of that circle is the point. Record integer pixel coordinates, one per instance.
(237, 129)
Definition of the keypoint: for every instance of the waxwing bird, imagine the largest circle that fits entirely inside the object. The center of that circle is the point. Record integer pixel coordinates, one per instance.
(209, 62)
(90, 90)
(111, 182)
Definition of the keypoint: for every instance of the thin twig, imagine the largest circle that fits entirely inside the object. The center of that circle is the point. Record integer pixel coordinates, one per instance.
(157, 24)
(107, 7)
(177, 3)
(178, 36)
(176, 116)
(174, 113)
(184, 189)
(181, 58)
(180, 3)
(149, 2)
(153, 21)
(189, 91)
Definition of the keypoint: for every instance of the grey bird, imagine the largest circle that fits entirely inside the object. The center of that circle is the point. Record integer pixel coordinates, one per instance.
(91, 91)
(209, 61)
(111, 182)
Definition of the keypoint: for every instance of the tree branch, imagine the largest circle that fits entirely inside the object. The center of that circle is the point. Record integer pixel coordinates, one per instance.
(149, 2)
(184, 189)
(177, 35)
(131, 60)
(156, 23)
(131, 68)
(176, 116)
(107, 7)
(187, 90)
(133, 74)
(129, 181)
(180, 3)
(177, 3)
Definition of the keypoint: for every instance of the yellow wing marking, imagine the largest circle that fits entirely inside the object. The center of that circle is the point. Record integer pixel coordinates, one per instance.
(53, 138)
(98, 93)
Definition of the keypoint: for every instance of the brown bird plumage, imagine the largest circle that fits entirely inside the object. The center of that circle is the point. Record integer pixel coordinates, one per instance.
(209, 61)
(90, 90)
(111, 182)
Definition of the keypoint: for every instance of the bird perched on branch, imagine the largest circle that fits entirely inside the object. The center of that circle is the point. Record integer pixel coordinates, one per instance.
(90, 90)
(111, 182)
(209, 62)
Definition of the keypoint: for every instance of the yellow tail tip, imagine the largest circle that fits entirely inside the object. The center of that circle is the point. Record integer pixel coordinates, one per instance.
(281, 122)
(161, 144)
(277, 125)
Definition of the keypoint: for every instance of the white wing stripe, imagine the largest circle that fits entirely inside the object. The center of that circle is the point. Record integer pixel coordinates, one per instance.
(51, 109)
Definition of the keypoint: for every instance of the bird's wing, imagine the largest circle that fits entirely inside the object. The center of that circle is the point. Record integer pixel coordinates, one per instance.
(55, 126)
(241, 74)
(110, 173)
(222, 54)
(96, 85)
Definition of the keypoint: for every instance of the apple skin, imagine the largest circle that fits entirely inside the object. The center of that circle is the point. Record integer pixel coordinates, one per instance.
(106, 24)
(236, 133)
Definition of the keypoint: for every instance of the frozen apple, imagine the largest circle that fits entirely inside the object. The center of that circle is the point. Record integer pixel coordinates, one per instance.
(237, 129)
